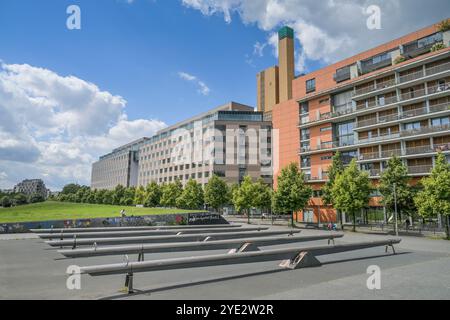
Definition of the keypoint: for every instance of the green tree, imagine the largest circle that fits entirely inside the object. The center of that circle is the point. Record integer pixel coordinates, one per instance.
(351, 191)
(119, 193)
(36, 197)
(262, 195)
(170, 193)
(337, 167)
(396, 173)
(191, 197)
(217, 193)
(152, 195)
(434, 199)
(108, 197)
(71, 188)
(292, 194)
(139, 196)
(129, 193)
(20, 199)
(6, 202)
(100, 196)
(79, 195)
(243, 197)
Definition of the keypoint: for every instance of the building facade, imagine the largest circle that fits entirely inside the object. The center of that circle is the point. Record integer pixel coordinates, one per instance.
(231, 141)
(118, 167)
(32, 186)
(390, 100)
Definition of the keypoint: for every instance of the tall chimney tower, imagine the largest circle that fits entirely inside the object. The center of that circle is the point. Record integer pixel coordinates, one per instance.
(286, 62)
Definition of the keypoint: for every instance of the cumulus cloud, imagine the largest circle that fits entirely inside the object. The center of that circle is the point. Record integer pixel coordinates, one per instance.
(328, 30)
(202, 87)
(53, 127)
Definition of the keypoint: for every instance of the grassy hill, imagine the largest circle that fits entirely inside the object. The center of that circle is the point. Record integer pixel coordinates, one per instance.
(52, 210)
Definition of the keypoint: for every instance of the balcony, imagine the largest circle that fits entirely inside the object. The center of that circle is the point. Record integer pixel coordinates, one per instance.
(379, 86)
(342, 75)
(391, 153)
(379, 138)
(327, 116)
(404, 115)
(419, 150)
(407, 152)
(373, 172)
(424, 130)
(428, 72)
(424, 169)
(369, 156)
(438, 69)
(369, 67)
(439, 88)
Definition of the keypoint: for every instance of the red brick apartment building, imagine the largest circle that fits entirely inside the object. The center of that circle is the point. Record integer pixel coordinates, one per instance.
(390, 100)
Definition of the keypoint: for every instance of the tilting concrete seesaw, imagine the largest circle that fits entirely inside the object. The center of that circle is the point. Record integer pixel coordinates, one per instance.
(237, 245)
(119, 234)
(74, 243)
(109, 229)
(291, 258)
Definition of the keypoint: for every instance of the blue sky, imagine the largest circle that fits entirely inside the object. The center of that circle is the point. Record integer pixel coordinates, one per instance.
(137, 51)
(69, 96)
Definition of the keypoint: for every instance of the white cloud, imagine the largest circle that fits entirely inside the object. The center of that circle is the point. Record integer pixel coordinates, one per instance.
(202, 87)
(53, 127)
(328, 30)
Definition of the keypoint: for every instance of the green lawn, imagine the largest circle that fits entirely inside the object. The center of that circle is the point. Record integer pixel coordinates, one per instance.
(52, 210)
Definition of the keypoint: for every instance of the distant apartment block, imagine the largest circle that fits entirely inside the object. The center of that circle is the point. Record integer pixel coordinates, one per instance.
(390, 100)
(30, 187)
(231, 141)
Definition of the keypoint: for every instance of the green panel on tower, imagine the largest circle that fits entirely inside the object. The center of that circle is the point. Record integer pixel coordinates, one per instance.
(286, 32)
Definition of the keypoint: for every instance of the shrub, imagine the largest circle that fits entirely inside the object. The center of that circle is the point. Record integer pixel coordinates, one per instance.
(6, 202)
(438, 46)
(399, 59)
(35, 198)
(444, 25)
(20, 199)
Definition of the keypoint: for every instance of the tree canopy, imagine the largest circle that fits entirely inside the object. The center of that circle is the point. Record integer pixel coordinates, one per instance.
(351, 191)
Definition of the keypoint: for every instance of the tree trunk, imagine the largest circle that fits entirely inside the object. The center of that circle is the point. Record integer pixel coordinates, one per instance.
(341, 217)
(292, 219)
(447, 226)
(248, 216)
(354, 221)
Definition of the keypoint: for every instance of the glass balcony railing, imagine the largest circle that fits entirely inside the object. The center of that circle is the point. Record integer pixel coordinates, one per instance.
(412, 76)
(438, 69)
(406, 152)
(403, 79)
(404, 115)
(379, 138)
(424, 130)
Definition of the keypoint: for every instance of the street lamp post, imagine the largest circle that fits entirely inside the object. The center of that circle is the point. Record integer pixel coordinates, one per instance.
(395, 206)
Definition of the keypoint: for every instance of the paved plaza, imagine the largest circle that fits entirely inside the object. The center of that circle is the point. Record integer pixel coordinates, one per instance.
(30, 269)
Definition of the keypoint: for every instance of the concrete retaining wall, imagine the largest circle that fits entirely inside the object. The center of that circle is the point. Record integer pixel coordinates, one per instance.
(163, 219)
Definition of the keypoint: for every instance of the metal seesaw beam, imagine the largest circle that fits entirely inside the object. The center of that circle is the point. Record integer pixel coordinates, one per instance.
(110, 229)
(291, 258)
(170, 238)
(234, 244)
(118, 234)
